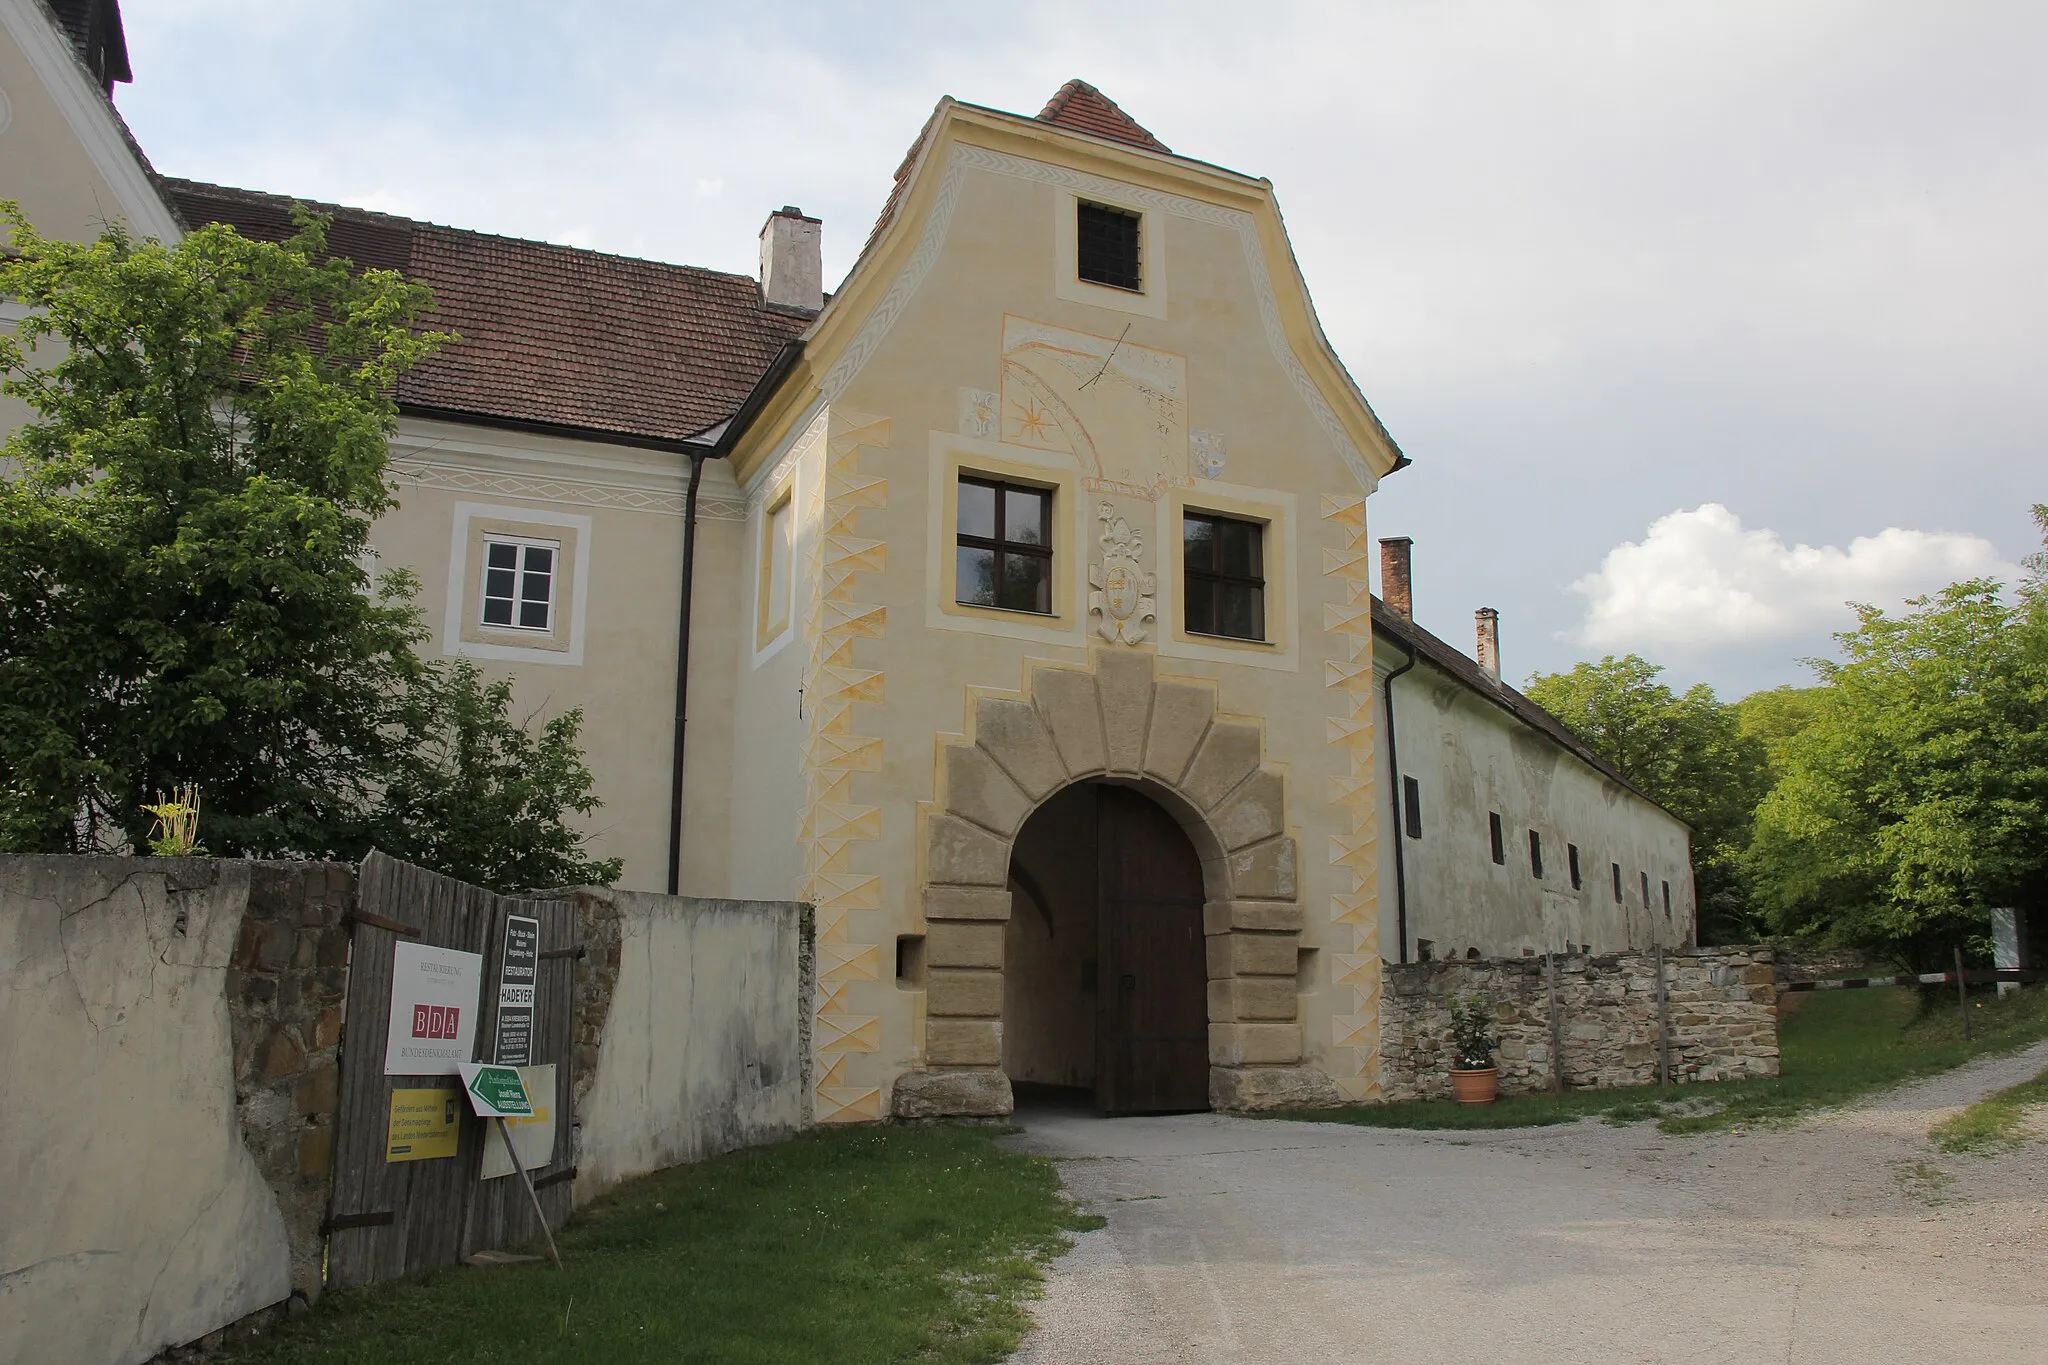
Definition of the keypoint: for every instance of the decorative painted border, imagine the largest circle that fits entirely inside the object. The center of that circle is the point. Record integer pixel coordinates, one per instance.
(1354, 850)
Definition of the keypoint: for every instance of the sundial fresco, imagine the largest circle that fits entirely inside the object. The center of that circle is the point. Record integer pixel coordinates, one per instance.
(1120, 409)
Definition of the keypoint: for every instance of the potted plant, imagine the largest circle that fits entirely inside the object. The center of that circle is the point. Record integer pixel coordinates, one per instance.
(1474, 1077)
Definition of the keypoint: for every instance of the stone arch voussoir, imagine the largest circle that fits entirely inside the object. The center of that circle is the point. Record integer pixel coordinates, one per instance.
(1116, 720)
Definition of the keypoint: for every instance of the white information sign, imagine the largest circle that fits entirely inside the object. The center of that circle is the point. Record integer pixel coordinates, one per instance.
(434, 993)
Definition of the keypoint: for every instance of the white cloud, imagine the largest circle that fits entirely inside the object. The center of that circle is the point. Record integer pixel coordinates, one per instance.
(1698, 581)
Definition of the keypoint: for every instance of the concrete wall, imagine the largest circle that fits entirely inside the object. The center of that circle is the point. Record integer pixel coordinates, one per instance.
(1722, 1005)
(162, 1055)
(696, 1015)
(1472, 759)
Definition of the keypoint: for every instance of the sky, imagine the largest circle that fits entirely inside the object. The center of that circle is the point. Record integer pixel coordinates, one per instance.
(1697, 321)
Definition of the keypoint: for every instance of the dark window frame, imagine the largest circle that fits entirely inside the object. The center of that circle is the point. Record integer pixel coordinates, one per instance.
(1002, 547)
(1571, 854)
(1109, 246)
(1535, 855)
(1617, 882)
(1500, 846)
(1214, 575)
(1411, 806)
(1646, 891)
(1667, 900)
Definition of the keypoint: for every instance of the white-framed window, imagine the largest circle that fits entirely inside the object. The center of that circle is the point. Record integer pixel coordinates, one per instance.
(519, 583)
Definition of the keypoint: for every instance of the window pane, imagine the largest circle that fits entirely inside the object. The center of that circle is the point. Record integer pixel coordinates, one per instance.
(498, 610)
(977, 511)
(499, 555)
(1198, 542)
(540, 559)
(498, 583)
(1201, 608)
(975, 576)
(533, 613)
(1023, 516)
(1027, 583)
(1107, 244)
(1239, 542)
(1238, 610)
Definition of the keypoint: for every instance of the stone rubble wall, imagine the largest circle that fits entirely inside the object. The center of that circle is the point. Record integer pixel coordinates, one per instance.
(1722, 1007)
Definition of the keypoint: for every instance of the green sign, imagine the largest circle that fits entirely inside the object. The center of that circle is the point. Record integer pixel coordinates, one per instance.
(496, 1092)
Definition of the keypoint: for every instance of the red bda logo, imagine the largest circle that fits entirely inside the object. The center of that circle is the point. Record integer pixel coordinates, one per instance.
(436, 1021)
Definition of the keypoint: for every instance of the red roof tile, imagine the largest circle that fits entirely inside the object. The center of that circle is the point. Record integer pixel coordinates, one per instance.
(1083, 108)
(551, 335)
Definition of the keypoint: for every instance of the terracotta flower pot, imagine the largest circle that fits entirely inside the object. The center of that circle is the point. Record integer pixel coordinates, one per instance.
(1475, 1087)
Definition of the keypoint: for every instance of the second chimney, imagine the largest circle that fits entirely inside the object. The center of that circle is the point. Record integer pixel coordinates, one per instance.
(1395, 588)
(1488, 621)
(792, 261)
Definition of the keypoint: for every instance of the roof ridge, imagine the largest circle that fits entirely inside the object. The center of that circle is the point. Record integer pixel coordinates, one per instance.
(396, 220)
(1080, 107)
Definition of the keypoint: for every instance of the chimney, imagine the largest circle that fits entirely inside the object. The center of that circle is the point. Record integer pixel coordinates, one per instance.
(792, 264)
(1395, 589)
(1488, 621)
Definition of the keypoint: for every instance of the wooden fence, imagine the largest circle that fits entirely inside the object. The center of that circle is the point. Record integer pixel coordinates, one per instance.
(390, 1217)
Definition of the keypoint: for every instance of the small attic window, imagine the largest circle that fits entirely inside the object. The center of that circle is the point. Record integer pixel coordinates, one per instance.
(1106, 241)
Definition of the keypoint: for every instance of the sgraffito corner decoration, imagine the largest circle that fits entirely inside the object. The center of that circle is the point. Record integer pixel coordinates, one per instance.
(1120, 589)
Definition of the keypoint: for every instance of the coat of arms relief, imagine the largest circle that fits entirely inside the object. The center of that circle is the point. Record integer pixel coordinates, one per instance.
(1120, 589)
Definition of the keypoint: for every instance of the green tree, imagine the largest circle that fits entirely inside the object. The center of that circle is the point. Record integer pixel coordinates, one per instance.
(1687, 750)
(1917, 798)
(469, 773)
(1775, 716)
(184, 590)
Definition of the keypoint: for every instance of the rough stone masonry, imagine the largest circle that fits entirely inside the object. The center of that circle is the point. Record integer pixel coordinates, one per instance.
(1721, 1006)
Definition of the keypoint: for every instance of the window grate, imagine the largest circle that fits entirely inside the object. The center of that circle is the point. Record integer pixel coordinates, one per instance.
(1004, 550)
(1571, 852)
(1411, 806)
(519, 584)
(1500, 847)
(1107, 247)
(1223, 560)
(1535, 855)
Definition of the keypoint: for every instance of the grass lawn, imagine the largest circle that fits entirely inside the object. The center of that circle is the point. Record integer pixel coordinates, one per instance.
(1836, 1047)
(1992, 1123)
(870, 1244)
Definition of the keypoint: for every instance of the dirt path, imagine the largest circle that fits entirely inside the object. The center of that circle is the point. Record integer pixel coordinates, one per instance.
(1845, 1238)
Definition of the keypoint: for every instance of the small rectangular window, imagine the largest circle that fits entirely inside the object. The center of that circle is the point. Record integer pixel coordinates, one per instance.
(1411, 806)
(519, 584)
(1535, 855)
(1223, 560)
(1667, 900)
(1617, 882)
(1500, 848)
(1646, 890)
(1004, 554)
(1571, 854)
(1106, 242)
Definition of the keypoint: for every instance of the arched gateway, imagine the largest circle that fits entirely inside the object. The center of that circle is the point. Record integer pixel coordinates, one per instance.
(1117, 750)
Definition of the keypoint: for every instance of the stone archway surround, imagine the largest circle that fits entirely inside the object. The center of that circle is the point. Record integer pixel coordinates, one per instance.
(1117, 720)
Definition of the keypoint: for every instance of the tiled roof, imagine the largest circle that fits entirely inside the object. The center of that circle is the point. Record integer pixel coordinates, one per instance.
(1446, 658)
(551, 335)
(1083, 108)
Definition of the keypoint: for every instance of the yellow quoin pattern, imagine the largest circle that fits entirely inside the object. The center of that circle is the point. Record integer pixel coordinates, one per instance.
(837, 830)
(1354, 1062)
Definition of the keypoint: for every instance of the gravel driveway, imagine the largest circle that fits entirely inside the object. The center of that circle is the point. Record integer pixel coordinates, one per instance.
(1845, 1238)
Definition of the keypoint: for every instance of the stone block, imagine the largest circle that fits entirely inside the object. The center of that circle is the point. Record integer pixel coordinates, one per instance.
(950, 1094)
(1228, 755)
(1066, 699)
(1256, 997)
(1254, 1044)
(963, 1042)
(1222, 916)
(962, 854)
(964, 994)
(281, 1055)
(966, 902)
(978, 789)
(1257, 810)
(1123, 681)
(316, 1152)
(327, 1028)
(1180, 717)
(1014, 734)
(963, 943)
(274, 946)
(1241, 953)
(1248, 1089)
(334, 947)
(319, 1092)
(1263, 871)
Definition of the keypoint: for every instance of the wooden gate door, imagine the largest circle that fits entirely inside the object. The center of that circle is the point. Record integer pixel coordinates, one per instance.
(1152, 1023)
(392, 1217)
